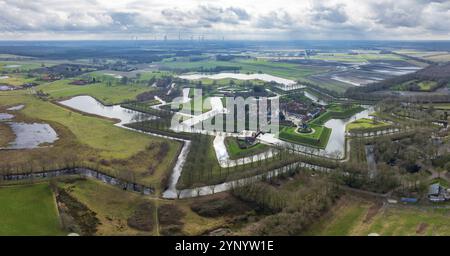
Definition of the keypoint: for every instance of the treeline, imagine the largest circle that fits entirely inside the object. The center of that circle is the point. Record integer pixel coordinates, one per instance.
(159, 126)
(355, 175)
(142, 107)
(293, 210)
(202, 69)
(161, 93)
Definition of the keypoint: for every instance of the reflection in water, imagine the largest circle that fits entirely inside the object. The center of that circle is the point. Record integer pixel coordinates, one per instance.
(336, 142)
(92, 106)
(5, 88)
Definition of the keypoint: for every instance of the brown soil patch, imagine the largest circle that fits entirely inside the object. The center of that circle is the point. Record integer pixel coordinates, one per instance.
(373, 210)
(421, 228)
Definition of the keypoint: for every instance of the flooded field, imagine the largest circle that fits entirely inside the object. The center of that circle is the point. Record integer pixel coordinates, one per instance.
(240, 76)
(29, 136)
(359, 74)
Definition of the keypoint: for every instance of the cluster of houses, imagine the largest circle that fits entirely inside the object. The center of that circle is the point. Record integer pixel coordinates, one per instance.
(301, 111)
(302, 114)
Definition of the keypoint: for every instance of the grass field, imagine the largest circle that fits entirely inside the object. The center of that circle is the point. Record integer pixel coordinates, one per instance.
(319, 138)
(424, 86)
(28, 210)
(91, 141)
(17, 80)
(427, 85)
(356, 216)
(108, 95)
(366, 124)
(235, 152)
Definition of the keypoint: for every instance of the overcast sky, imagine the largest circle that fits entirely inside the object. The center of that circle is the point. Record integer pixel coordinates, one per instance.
(231, 19)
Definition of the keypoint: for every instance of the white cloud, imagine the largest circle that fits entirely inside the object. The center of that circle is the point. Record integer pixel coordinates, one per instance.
(234, 19)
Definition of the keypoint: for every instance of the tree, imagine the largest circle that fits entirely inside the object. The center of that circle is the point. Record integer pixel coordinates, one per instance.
(124, 80)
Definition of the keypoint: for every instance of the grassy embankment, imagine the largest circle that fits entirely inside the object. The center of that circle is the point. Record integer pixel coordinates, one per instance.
(336, 111)
(366, 124)
(235, 152)
(318, 138)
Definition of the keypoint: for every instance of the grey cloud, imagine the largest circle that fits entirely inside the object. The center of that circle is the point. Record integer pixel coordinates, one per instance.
(335, 14)
(394, 15)
(376, 17)
(275, 20)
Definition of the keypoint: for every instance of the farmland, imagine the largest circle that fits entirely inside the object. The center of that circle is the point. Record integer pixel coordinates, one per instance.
(142, 174)
(17, 204)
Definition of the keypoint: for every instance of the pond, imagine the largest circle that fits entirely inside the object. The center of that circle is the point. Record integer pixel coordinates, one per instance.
(29, 136)
(240, 76)
(90, 105)
(336, 142)
(15, 108)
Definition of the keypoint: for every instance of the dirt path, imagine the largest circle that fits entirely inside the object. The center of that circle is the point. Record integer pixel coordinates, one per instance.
(157, 217)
